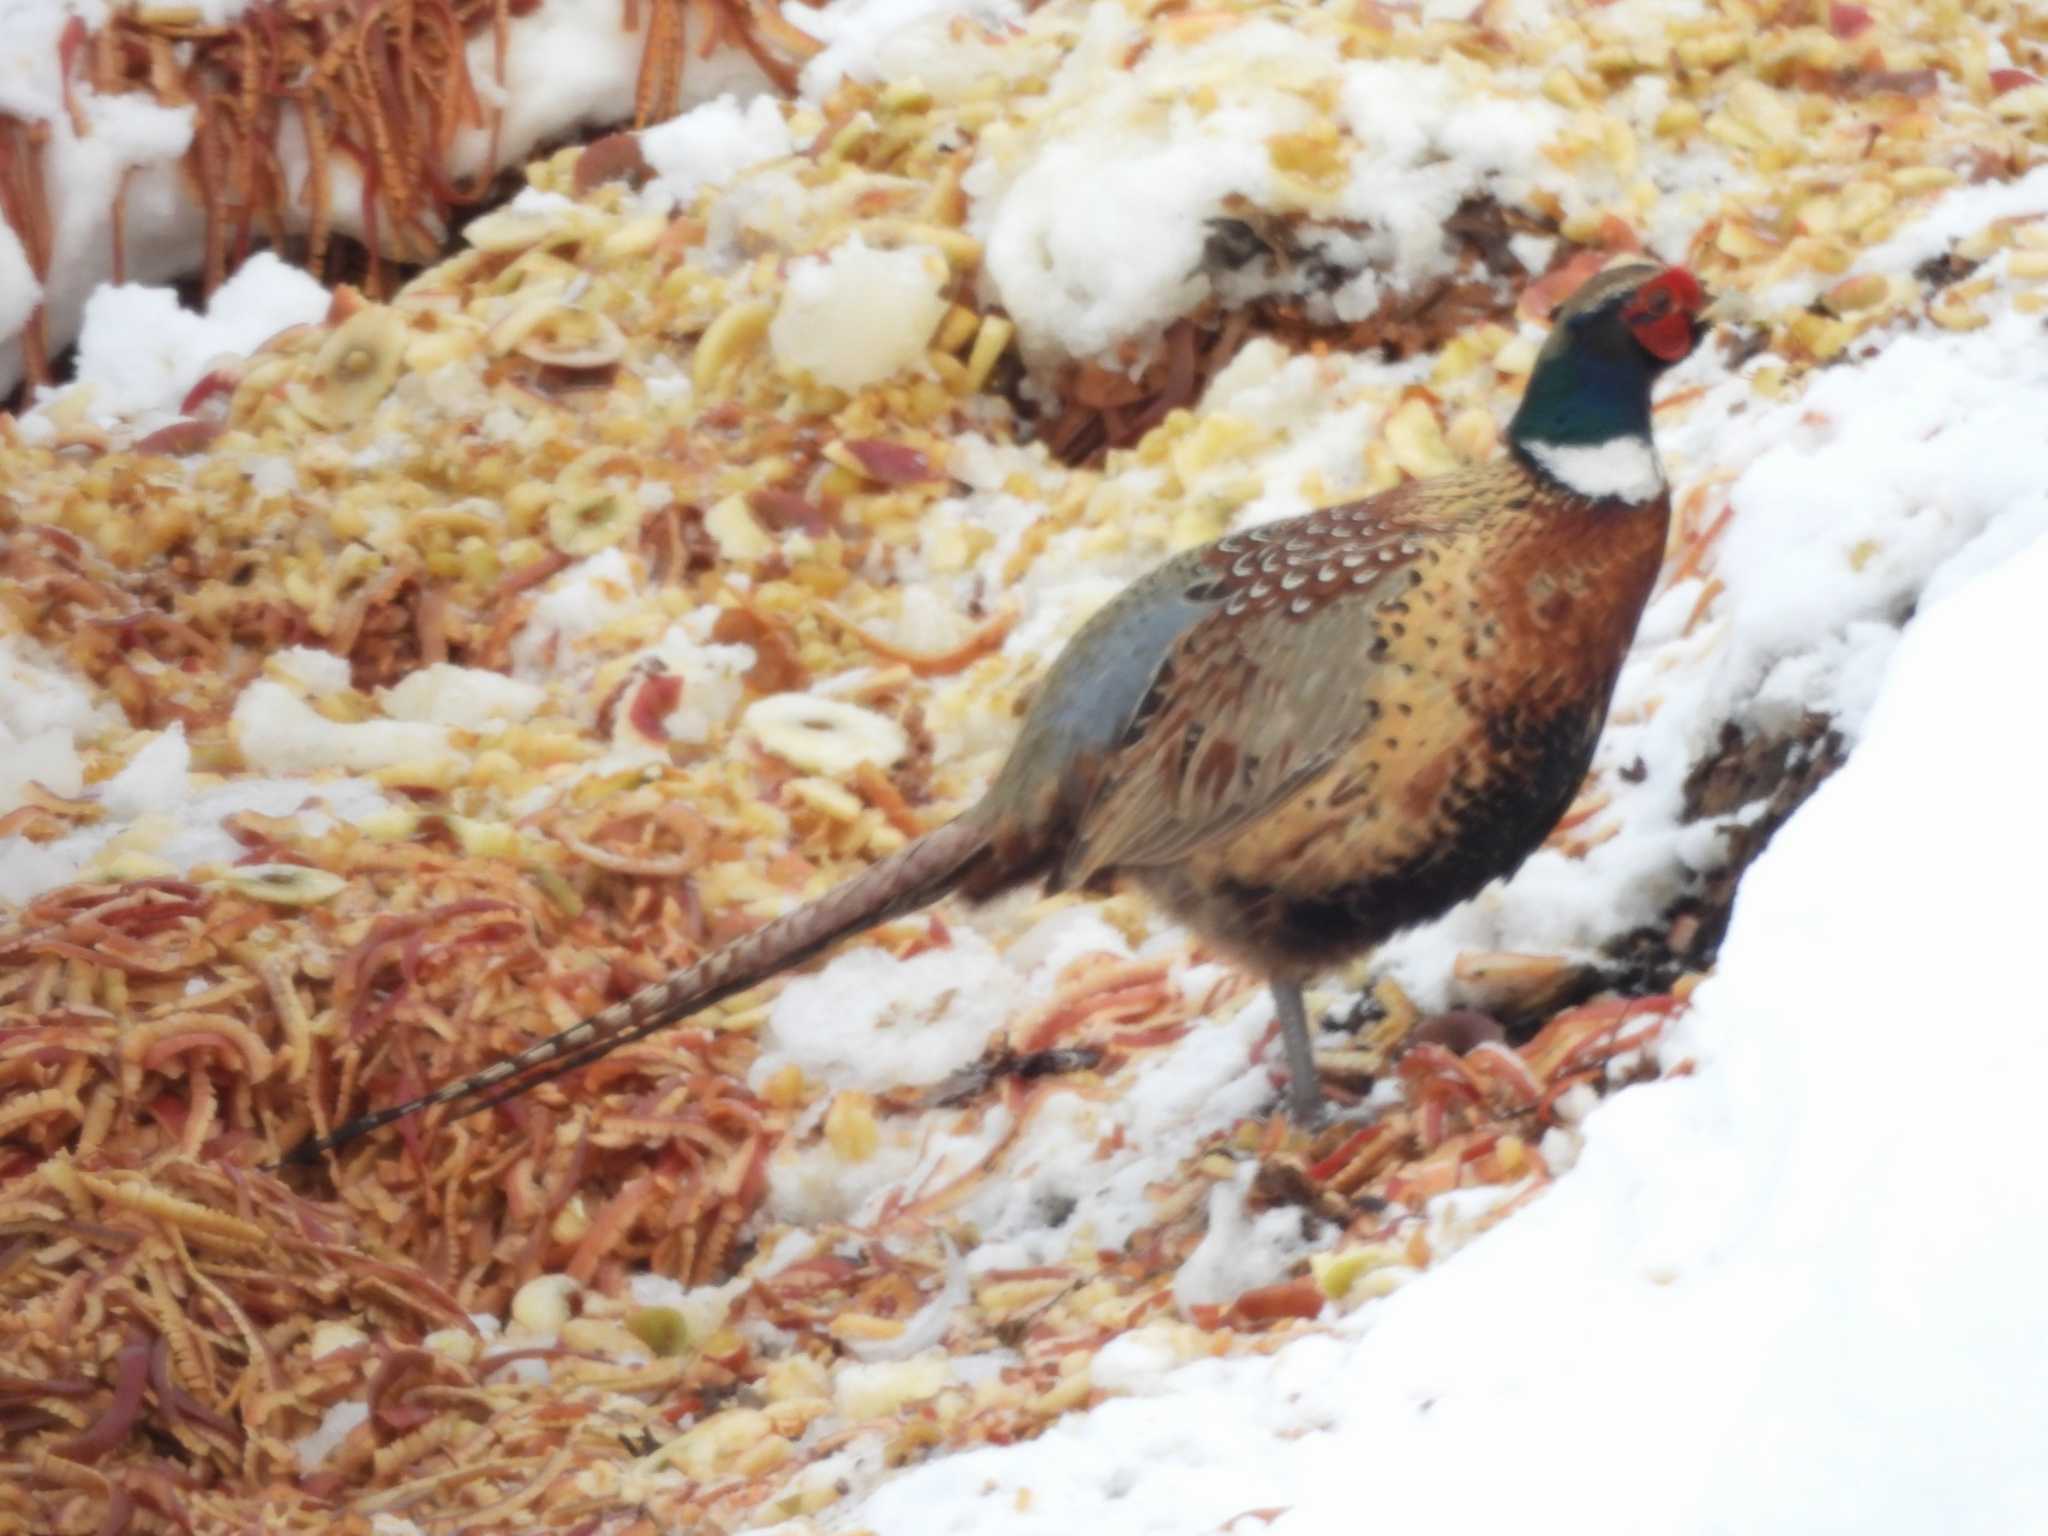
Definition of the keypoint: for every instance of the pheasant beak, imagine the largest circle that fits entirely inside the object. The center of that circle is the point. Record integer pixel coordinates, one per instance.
(1664, 314)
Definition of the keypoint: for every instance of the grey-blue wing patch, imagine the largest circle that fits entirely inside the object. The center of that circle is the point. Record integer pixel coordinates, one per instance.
(1098, 698)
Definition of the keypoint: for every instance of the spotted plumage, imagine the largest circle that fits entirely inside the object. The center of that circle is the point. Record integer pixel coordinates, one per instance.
(1309, 735)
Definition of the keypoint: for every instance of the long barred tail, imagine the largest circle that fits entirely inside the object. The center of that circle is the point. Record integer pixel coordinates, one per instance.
(908, 879)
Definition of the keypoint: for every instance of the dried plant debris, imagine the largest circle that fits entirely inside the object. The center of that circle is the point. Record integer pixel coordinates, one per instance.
(1756, 783)
(294, 100)
(634, 574)
(1274, 278)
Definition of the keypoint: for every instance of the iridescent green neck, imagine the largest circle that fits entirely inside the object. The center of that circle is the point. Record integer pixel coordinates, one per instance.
(1585, 392)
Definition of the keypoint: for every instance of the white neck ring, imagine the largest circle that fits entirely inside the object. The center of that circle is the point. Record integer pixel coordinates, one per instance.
(1620, 469)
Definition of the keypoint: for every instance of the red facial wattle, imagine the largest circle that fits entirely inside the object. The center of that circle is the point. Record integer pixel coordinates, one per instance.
(1661, 314)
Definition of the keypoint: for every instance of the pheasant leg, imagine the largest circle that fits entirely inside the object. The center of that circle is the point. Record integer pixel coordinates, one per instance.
(1304, 1092)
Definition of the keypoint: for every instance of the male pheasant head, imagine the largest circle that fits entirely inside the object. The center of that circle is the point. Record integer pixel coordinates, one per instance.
(1584, 421)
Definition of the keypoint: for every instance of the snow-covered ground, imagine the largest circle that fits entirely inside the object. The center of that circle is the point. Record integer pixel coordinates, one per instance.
(1792, 1290)
(1793, 1285)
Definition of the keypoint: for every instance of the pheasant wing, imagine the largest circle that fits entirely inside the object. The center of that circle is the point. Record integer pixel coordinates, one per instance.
(1258, 697)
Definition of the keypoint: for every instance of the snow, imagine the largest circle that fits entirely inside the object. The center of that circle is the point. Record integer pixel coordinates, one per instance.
(709, 146)
(1097, 222)
(1084, 1170)
(309, 670)
(467, 698)
(922, 1334)
(1833, 525)
(139, 352)
(44, 714)
(1962, 212)
(573, 63)
(1414, 119)
(46, 758)
(856, 315)
(868, 1021)
(1207, 1082)
(280, 733)
(181, 836)
(712, 674)
(154, 780)
(1757, 1293)
(573, 606)
(881, 40)
(1239, 1251)
(871, 1021)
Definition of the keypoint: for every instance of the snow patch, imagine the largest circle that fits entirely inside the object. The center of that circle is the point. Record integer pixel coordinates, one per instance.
(277, 732)
(155, 782)
(871, 1021)
(1097, 220)
(882, 40)
(1239, 1251)
(710, 145)
(140, 351)
(579, 603)
(713, 676)
(45, 714)
(467, 698)
(183, 836)
(310, 671)
(857, 315)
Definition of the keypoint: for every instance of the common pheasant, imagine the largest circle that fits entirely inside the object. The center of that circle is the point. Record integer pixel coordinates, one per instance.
(1305, 737)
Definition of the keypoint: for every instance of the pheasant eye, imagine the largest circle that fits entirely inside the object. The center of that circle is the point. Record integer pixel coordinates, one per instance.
(1648, 305)
(1658, 321)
